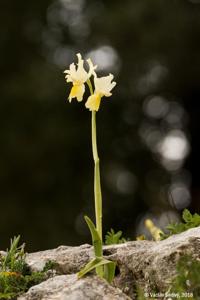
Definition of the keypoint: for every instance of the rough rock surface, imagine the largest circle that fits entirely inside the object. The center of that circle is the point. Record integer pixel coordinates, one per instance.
(69, 260)
(68, 287)
(148, 264)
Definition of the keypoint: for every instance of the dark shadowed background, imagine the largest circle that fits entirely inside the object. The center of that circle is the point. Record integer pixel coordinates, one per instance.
(148, 131)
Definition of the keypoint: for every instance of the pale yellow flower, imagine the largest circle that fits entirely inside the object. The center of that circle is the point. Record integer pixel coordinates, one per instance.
(103, 87)
(78, 76)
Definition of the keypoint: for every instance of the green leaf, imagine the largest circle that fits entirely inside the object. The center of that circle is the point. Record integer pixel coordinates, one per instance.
(187, 216)
(114, 238)
(94, 263)
(109, 271)
(104, 268)
(190, 221)
(188, 271)
(96, 240)
(196, 220)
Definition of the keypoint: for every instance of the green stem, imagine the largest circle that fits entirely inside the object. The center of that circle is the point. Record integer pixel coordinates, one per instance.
(97, 183)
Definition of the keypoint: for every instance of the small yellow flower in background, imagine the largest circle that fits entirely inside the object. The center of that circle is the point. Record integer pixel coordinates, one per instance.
(154, 230)
(8, 273)
(103, 87)
(78, 76)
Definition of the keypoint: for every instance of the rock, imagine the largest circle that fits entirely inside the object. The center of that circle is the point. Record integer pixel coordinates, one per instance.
(151, 265)
(147, 264)
(69, 260)
(68, 287)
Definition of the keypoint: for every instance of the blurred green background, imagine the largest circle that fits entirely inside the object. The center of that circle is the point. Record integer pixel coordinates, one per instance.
(147, 131)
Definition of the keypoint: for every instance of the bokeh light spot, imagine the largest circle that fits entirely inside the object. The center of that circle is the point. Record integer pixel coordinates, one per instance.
(156, 107)
(174, 146)
(179, 195)
(105, 57)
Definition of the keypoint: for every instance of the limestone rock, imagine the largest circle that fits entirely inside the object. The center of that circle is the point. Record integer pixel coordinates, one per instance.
(147, 264)
(68, 287)
(69, 260)
(151, 265)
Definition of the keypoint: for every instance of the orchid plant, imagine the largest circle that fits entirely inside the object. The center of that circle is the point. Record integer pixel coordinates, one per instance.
(99, 88)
